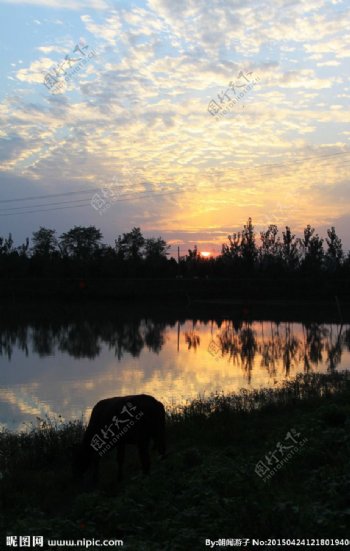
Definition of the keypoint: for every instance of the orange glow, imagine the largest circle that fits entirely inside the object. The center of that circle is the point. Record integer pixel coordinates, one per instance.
(205, 254)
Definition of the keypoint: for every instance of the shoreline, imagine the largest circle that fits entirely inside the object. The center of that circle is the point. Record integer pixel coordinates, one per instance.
(186, 290)
(25, 309)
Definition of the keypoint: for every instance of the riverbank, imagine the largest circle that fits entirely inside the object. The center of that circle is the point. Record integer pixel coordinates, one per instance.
(17, 311)
(322, 287)
(262, 464)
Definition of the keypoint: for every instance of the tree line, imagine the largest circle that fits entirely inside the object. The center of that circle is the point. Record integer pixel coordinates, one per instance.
(81, 252)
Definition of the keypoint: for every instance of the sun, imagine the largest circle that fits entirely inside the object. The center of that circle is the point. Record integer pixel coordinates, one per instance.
(205, 254)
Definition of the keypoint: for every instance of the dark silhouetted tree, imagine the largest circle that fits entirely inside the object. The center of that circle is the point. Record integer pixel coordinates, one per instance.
(81, 242)
(6, 245)
(23, 249)
(248, 246)
(270, 249)
(193, 253)
(44, 242)
(289, 250)
(312, 247)
(233, 250)
(334, 255)
(130, 246)
(156, 247)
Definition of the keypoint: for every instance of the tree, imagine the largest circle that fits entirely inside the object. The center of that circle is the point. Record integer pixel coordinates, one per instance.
(6, 245)
(233, 250)
(193, 253)
(81, 241)
(23, 249)
(334, 254)
(156, 248)
(44, 242)
(289, 249)
(270, 245)
(248, 247)
(312, 246)
(130, 246)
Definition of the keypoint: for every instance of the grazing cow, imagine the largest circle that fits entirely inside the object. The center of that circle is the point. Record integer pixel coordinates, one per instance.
(118, 421)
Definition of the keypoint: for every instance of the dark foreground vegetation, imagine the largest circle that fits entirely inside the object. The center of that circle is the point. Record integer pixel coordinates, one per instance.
(207, 487)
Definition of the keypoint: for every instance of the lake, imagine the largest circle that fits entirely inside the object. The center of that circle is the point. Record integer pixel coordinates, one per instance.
(57, 365)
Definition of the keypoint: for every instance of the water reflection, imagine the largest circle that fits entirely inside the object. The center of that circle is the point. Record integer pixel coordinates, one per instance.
(65, 367)
(83, 339)
(240, 342)
(283, 344)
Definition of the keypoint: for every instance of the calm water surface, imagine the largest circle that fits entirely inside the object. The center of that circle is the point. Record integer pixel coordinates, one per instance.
(65, 368)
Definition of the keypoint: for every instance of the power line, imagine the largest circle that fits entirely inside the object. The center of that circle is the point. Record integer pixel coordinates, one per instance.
(52, 195)
(92, 190)
(200, 187)
(51, 204)
(89, 204)
(34, 197)
(303, 159)
(135, 195)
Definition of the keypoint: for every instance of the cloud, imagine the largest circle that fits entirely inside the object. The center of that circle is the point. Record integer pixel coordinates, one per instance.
(340, 47)
(52, 49)
(62, 4)
(109, 30)
(144, 103)
(305, 78)
(36, 72)
(331, 63)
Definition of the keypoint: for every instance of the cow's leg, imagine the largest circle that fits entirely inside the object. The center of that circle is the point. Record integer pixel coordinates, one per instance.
(120, 460)
(161, 443)
(144, 456)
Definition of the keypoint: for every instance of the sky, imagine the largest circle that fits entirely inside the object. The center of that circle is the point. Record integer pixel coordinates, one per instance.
(180, 117)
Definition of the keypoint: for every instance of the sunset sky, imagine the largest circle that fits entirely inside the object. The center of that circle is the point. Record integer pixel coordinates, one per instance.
(134, 115)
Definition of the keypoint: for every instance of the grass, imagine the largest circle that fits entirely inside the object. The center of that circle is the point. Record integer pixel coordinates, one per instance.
(207, 486)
